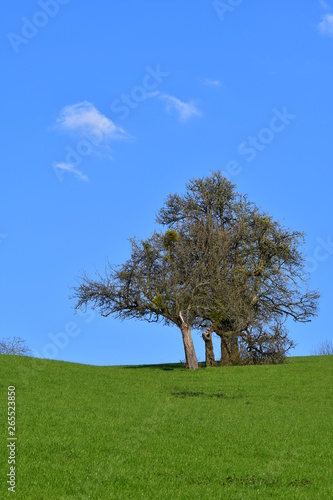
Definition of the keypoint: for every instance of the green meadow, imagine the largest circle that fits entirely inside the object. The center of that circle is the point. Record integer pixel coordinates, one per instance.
(164, 432)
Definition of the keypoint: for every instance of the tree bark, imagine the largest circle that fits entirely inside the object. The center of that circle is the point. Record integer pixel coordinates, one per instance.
(225, 350)
(191, 358)
(229, 348)
(209, 348)
(234, 348)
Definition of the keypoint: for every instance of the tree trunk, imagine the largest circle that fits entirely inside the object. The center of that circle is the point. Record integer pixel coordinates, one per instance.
(229, 348)
(225, 350)
(209, 349)
(234, 348)
(191, 358)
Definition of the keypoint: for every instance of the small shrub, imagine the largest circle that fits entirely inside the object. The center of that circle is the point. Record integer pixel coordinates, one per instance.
(265, 346)
(325, 349)
(15, 346)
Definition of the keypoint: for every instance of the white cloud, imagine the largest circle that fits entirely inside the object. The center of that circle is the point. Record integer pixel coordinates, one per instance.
(211, 83)
(62, 166)
(184, 110)
(84, 119)
(326, 24)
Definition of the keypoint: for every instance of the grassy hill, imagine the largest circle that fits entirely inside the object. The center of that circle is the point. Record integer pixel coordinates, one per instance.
(163, 432)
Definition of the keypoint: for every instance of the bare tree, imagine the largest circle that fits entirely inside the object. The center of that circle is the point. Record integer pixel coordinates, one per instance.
(15, 346)
(220, 265)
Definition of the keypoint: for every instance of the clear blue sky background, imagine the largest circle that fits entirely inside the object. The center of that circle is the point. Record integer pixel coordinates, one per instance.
(228, 73)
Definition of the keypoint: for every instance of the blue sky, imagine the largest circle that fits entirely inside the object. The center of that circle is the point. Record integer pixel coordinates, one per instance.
(107, 107)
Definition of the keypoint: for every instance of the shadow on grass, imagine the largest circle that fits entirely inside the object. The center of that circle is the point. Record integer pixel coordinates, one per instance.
(165, 367)
(192, 394)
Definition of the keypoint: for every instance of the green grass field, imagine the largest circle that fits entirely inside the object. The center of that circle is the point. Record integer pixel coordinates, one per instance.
(163, 432)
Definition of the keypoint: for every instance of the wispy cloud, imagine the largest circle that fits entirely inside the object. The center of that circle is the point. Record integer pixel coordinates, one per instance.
(326, 25)
(211, 83)
(324, 4)
(62, 167)
(86, 120)
(184, 110)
